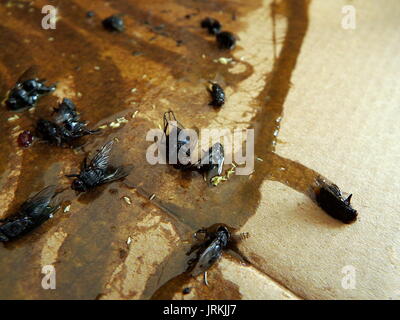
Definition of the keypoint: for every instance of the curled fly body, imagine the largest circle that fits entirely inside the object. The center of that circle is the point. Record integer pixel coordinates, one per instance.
(27, 92)
(226, 40)
(217, 95)
(329, 197)
(212, 25)
(114, 23)
(66, 128)
(66, 111)
(98, 171)
(209, 250)
(32, 213)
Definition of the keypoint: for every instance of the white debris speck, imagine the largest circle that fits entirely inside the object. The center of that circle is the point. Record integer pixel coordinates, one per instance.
(122, 120)
(276, 132)
(79, 95)
(278, 119)
(203, 56)
(259, 159)
(114, 125)
(13, 118)
(152, 197)
(51, 39)
(129, 241)
(97, 68)
(223, 60)
(67, 208)
(205, 278)
(127, 200)
(104, 126)
(32, 110)
(134, 114)
(133, 90)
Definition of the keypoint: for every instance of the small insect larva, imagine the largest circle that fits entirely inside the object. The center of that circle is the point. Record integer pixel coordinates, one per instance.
(127, 200)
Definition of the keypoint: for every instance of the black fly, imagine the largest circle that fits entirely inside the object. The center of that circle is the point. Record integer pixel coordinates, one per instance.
(209, 250)
(172, 128)
(212, 25)
(66, 111)
(210, 164)
(114, 23)
(215, 239)
(217, 95)
(27, 92)
(32, 213)
(66, 128)
(330, 199)
(98, 171)
(226, 40)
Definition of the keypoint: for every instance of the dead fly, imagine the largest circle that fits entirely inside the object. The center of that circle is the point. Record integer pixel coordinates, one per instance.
(212, 25)
(226, 40)
(66, 111)
(214, 240)
(66, 128)
(209, 249)
(210, 164)
(32, 213)
(98, 171)
(27, 91)
(330, 199)
(217, 95)
(173, 141)
(114, 23)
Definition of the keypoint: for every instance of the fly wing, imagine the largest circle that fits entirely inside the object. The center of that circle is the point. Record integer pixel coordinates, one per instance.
(217, 157)
(208, 257)
(39, 201)
(29, 74)
(102, 157)
(170, 120)
(117, 173)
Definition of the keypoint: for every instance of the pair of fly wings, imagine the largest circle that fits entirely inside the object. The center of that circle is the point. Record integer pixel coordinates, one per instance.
(209, 256)
(39, 202)
(30, 73)
(101, 161)
(169, 117)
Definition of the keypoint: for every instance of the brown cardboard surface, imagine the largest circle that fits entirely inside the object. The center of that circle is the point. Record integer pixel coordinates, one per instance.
(338, 92)
(340, 120)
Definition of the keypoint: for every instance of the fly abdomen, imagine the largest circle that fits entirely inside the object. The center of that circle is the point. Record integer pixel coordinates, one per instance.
(18, 227)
